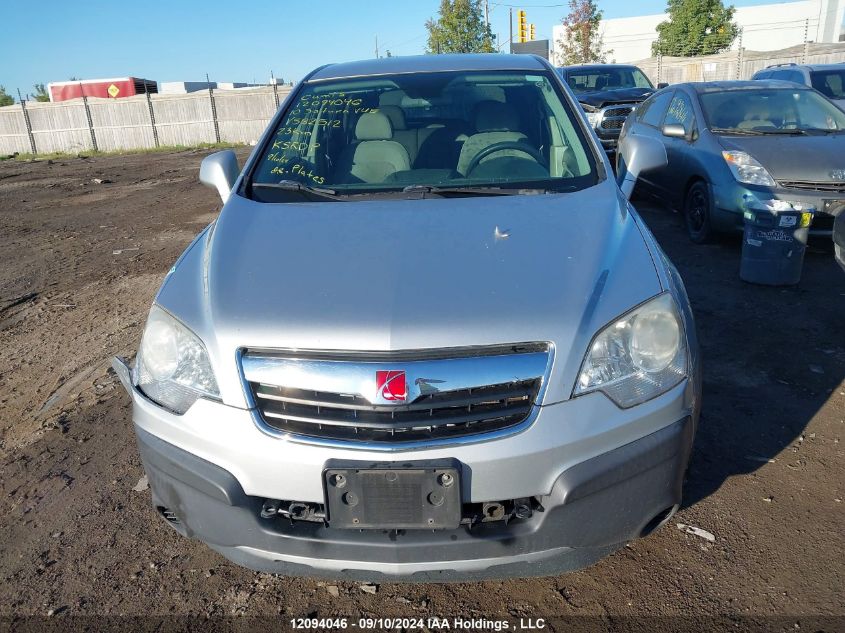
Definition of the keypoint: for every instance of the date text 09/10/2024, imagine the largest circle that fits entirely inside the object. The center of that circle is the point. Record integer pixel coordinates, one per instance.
(410, 623)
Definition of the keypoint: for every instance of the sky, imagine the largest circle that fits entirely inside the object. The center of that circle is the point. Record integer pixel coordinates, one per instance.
(182, 40)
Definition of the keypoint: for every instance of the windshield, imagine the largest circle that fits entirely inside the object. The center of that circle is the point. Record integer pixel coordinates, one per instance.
(779, 110)
(831, 83)
(443, 130)
(594, 80)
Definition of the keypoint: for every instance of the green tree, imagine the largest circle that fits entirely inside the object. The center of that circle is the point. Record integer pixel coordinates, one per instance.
(460, 28)
(695, 27)
(41, 93)
(582, 42)
(5, 98)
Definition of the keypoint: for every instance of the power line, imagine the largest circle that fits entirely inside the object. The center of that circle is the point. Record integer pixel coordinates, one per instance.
(530, 6)
(401, 44)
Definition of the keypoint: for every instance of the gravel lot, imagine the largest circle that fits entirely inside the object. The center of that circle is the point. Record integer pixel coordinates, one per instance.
(80, 262)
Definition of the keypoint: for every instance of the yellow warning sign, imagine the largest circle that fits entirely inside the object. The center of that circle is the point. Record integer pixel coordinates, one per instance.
(113, 91)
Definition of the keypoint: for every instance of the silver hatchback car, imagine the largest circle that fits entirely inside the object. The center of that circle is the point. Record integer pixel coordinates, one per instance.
(427, 337)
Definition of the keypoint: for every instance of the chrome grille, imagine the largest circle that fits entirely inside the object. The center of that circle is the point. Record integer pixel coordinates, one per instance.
(613, 117)
(328, 399)
(834, 187)
(334, 416)
(612, 125)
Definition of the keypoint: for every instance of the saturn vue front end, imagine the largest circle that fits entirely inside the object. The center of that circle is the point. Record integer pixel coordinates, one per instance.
(427, 337)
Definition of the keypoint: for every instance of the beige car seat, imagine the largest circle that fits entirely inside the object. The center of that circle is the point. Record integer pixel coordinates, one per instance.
(374, 155)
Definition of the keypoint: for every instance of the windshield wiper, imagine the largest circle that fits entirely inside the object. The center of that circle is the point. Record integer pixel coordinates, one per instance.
(310, 193)
(724, 130)
(785, 131)
(470, 191)
(795, 131)
(821, 130)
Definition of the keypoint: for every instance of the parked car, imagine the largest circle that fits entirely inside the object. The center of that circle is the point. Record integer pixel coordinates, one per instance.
(839, 238)
(828, 79)
(729, 142)
(608, 93)
(451, 353)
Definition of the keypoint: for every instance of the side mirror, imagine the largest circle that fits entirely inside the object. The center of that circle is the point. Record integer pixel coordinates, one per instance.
(220, 171)
(662, 85)
(638, 155)
(674, 130)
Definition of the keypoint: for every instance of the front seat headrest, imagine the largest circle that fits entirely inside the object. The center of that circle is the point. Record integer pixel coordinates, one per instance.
(495, 116)
(396, 116)
(373, 126)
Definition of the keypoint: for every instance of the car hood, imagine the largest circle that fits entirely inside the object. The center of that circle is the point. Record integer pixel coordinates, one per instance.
(384, 275)
(809, 158)
(601, 98)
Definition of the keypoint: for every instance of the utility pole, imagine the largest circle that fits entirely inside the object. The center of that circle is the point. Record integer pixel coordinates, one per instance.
(376, 46)
(806, 41)
(88, 116)
(510, 19)
(28, 123)
(213, 109)
(275, 89)
(739, 52)
(487, 13)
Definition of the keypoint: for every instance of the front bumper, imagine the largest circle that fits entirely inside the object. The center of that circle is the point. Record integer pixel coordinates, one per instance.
(729, 203)
(602, 480)
(839, 238)
(609, 140)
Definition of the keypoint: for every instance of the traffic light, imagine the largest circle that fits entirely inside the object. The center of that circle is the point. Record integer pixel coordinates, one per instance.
(533, 32)
(521, 26)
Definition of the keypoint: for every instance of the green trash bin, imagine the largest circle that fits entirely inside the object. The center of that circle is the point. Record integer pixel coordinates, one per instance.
(774, 241)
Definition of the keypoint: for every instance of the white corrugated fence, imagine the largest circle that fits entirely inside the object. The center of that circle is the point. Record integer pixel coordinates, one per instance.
(139, 122)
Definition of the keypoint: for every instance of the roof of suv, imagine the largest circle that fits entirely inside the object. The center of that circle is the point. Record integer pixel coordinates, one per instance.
(428, 63)
(750, 84)
(811, 67)
(589, 67)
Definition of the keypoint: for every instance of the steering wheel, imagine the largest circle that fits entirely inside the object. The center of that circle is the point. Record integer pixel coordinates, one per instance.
(497, 147)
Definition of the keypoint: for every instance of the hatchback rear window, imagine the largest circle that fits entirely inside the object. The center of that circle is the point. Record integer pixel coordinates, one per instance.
(771, 111)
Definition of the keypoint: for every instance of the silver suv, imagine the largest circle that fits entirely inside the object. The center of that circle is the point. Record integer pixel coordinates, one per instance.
(427, 337)
(828, 79)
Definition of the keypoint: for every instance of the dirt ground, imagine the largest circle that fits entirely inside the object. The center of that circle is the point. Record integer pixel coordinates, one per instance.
(80, 262)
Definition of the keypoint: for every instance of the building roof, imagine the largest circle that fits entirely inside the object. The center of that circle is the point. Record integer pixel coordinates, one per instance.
(427, 64)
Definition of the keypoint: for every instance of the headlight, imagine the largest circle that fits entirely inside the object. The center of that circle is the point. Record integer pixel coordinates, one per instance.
(172, 367)
(746, 169)
(641, 355)
(593, 118)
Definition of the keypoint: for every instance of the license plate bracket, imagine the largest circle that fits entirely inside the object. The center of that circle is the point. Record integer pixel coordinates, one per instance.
(393, 495)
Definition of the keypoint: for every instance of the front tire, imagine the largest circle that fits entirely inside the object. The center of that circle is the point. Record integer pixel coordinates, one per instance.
(697, 213)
